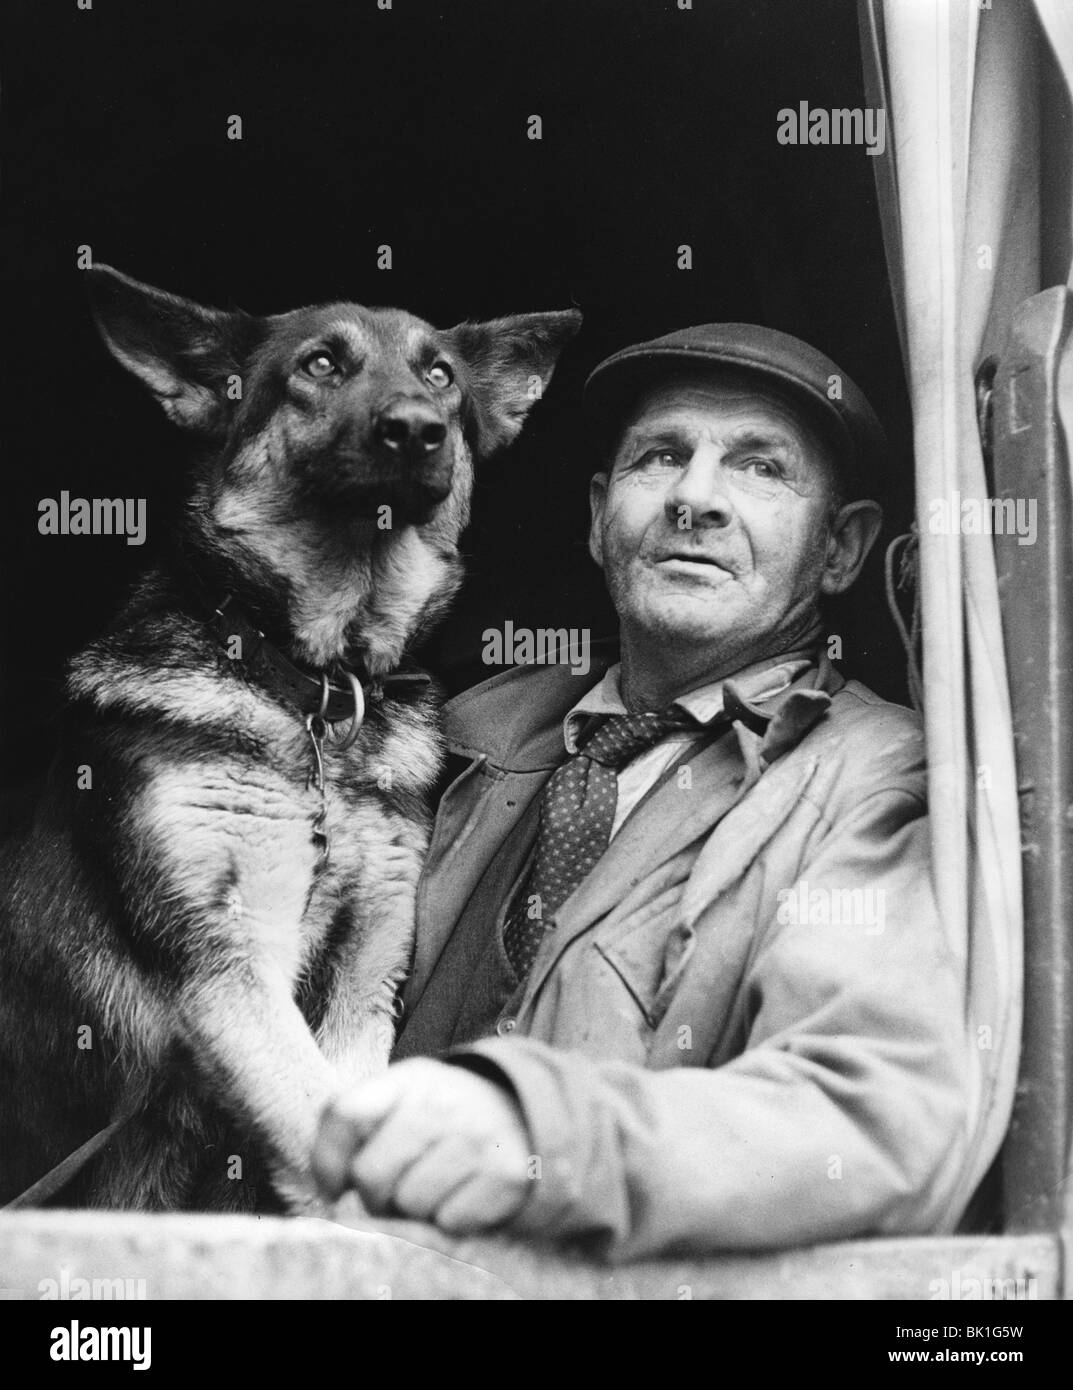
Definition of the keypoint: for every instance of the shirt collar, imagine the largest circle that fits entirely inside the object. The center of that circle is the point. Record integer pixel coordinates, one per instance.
(761, 681)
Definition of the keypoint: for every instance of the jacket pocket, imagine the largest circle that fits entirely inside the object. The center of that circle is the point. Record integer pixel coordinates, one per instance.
(649, 954)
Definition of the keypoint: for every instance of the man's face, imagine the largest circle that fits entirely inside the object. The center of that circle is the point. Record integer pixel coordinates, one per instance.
(712, 526)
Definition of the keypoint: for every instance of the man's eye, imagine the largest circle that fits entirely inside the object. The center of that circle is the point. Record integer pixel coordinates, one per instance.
(661, 458)
(319, 365)
(762, 468)
(440, 376)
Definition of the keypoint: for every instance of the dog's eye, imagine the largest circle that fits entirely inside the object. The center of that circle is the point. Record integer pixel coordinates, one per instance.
(440, 376)
(319, 364)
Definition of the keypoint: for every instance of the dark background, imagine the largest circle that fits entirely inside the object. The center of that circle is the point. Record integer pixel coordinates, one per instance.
(408, 126)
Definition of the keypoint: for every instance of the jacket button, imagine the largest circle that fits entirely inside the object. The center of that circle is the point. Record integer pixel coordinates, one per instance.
(505, 1026)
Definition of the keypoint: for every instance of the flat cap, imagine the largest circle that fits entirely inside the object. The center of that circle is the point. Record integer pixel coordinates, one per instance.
(831, 398)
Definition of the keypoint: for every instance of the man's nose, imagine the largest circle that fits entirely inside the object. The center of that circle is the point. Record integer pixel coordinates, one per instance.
(409, 429)
(701, 488)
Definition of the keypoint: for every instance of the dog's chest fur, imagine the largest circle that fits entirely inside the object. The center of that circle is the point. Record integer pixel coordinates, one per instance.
(223, 784)
(236, 835)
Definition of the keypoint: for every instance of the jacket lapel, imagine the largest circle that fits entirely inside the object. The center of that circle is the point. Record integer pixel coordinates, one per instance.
(471, 827)
(510, 729)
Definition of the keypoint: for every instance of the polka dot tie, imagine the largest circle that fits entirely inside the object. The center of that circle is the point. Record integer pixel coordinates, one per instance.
(576, 816)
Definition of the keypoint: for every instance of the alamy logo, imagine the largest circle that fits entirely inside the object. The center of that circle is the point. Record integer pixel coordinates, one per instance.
(963, 1288)
(78, 1343)
(78, 1288)
(832, 907)
(844, 126)
(93, 516)
(983, 516)
(544, 646)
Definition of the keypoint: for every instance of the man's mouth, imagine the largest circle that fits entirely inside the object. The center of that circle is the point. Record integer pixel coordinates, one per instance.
(689, 557)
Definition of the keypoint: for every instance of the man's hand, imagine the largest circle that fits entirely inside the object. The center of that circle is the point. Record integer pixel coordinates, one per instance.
(428, 1141)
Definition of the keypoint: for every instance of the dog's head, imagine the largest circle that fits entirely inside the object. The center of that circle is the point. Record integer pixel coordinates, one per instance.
(335, 429)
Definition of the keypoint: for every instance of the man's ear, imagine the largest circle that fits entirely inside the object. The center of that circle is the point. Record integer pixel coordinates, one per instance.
(597, 503)
(509, 363)
(853, 533)
(183, 352)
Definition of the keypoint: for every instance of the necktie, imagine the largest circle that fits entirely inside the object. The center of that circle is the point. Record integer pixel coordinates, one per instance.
(576, 816)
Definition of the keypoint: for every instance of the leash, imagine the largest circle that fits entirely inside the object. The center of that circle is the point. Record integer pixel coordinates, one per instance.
(57, 1178)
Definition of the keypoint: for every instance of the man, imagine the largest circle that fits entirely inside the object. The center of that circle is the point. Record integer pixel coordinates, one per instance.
(678, 955)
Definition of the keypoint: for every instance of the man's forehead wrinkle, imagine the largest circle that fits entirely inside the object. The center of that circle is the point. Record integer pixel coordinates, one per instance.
(717, 407)
(754, 433)
(692, 422)
(763, 435)
(678, 404)
(730, 391)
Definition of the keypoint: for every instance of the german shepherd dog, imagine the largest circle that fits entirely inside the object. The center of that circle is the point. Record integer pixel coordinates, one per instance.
(203, 929)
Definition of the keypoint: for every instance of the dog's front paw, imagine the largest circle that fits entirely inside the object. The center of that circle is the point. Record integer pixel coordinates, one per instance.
(299, 1194)
(315, 1207)
(349, 1209)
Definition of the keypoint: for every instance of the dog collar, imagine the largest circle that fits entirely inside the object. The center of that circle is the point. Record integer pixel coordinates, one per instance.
(332, 694)
(328, 694)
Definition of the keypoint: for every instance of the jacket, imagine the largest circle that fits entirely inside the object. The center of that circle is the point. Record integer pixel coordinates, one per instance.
(746, 1028)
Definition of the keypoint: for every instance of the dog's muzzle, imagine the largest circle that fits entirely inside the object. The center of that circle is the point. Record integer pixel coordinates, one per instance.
(401, 457)
(409, 431)
(412, 491)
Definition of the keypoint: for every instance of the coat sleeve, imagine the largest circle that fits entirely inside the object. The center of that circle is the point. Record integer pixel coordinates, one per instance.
(843, 1115)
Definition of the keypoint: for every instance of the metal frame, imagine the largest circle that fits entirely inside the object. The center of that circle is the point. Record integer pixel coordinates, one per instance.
(1031, 411)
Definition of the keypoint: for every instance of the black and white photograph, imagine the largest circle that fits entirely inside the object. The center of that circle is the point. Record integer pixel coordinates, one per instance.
(537, 757)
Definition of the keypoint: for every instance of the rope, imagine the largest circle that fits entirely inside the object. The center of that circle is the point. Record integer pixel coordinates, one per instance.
(908, 578)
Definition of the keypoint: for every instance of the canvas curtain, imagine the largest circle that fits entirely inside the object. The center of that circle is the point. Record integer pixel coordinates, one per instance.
(976, 217)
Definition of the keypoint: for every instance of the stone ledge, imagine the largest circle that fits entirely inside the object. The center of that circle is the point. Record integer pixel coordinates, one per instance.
(240, 1257)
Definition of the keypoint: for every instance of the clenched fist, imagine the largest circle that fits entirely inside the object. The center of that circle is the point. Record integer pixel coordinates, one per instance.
(429, 1141)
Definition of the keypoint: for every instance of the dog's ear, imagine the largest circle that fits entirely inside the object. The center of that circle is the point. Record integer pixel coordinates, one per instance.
(182, 351)
(509, 363)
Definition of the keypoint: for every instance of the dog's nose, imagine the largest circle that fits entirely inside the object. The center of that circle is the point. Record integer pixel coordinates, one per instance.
(410, 428)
